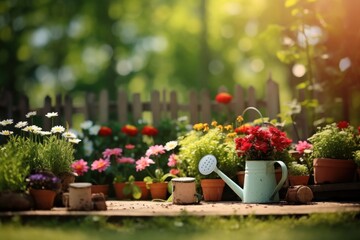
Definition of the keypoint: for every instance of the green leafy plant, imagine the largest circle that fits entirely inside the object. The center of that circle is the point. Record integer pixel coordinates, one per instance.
(297, 169)
(357, 158)
(336, 141)
(132, 189)
(217, 140)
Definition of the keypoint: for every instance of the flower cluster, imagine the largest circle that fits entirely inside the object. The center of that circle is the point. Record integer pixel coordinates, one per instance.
(43, 180)
(261, 143)
(154, 156)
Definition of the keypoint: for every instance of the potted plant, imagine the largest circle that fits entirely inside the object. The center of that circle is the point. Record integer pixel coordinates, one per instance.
(262, 146)
(334, 146)
(43, 187)
(157, 163)
(298, 174)
(204, 139)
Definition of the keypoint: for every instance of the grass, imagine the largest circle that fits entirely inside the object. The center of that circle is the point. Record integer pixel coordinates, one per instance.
(316, 226)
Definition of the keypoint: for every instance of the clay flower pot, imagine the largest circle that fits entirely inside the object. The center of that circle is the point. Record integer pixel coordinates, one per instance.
(102, 188)
(327, 170)
(212, 189)
(44, 199)
(298, 180)
(144, 190)
(119, 187)
(158, 190)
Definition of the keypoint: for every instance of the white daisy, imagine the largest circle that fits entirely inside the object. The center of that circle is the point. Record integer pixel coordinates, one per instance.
(6, 132)
(94, 130)
(69, 135)
(32, 128)
(29, 114)
(171, 145)
(74, 140)
(57, 129)
(51, 114)
(44, 133)
(6, 122)
(21, 124)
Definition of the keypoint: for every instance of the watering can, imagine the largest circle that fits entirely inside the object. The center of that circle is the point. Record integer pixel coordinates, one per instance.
(259, 183)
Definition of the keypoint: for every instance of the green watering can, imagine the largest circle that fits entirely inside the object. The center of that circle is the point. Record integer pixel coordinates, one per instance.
(259, 183)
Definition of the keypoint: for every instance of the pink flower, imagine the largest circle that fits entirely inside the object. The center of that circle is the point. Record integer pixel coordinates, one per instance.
(174, 171)
(80, 167)
(172, 160)
(100, 165)
(155, 150)
(143, 163)
(109, 152)
(302, 146)
(125, 160)
(129, 146)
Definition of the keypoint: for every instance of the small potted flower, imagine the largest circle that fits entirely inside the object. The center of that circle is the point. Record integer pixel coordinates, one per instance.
(157, 164)
(43, 187)
(334, 146)
(298, 174)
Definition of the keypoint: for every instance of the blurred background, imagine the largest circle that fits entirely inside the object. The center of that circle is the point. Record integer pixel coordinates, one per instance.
(309, 47)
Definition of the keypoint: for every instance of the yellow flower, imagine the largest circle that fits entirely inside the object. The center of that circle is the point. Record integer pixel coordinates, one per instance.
(214, 123)
(198, 126)
(239, 118)
(228, 127)
(220, 127)
(231, 135)
(206, 128)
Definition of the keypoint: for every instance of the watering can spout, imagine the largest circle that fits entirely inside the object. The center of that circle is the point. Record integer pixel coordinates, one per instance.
(207, 165)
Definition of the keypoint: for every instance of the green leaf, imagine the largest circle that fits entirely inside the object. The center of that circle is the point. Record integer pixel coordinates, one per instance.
(136, 192)
(302, 85)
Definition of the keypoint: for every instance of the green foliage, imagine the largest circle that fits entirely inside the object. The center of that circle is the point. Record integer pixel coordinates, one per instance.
(296, 169)
(357, 157)
(334, 142)
(132, 189)
(12, 169)
(57, 153)
(197, 144)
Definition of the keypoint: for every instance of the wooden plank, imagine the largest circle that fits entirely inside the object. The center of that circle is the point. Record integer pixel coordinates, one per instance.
(252, 115)
(58, 108)
(104, 106)
(238, 104)
(155, 107)
(173, 106)
(68, 110)
(122, 106)
(193, 107)
(23, 107)
(90, 107)
(205, 103)
(336, 192)
(272, 99)
(137, 107)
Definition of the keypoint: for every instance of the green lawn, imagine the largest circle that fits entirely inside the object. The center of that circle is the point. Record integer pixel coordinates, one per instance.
(319, 226)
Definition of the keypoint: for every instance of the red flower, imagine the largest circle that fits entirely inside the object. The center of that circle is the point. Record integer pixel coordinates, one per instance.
(342, 124)
(223, 98)
(130, 146)
(129, 130)
(243, 129)
(149, 131)
(105, 131)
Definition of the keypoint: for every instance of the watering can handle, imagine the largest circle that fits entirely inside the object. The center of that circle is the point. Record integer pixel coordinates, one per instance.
(284, 175)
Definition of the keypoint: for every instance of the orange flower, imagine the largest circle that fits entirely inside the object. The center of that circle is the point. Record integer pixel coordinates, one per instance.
(105, 131)
(149, 131)
(130, 130)
(223, 98)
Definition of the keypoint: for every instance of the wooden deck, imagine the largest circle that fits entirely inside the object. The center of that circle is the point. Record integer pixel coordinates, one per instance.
(153, 209)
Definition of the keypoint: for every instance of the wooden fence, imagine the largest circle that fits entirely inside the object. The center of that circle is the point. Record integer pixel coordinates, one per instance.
(200, 106)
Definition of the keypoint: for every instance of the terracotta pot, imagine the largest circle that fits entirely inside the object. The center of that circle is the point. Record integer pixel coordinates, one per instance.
(43, 199)
(212, 189)
(158, 190)
(101, 188)
(298, 180)
(240, 176)
(327, 170)
(144, 190)
(119, 187)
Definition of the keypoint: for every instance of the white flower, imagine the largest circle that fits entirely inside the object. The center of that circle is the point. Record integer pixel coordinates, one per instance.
(183, 119)
(86, 125)
(69, 135)
(94, 130)
(6, 132)
(44, 133)
(32, 128)
(51, 114)
(6, 122)
(21, 124)
(57, 129)
(171, 145)
(88, 147)
(29, 114)
(74, 140)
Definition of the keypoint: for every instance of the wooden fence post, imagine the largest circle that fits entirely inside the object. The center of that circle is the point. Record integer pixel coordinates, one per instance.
(122, 106)
(193, 107)
(46, 109)
(272, 99)
(137, 107)
(103, 106)
(205, 103)
(155, 107)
